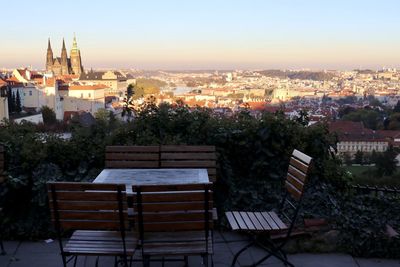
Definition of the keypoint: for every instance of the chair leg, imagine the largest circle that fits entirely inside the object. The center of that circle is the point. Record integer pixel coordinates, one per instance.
(146, 261)
(277, 252)
(75, 260)
(64, 259)
(186, 261)
(240, 252)
(97, 261)
(205, 260)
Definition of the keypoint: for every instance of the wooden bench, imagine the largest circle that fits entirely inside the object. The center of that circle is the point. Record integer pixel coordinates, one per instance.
(165, 156)
(174, 220)
(132, 157)
(184, 156)
(98, 215)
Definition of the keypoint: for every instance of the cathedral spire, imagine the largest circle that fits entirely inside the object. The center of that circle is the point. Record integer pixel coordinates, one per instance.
(49, 56)
(48, 45)
(74, 44)
(63, 46)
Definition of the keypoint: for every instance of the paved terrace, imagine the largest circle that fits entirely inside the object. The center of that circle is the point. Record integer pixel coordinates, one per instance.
(42, 254)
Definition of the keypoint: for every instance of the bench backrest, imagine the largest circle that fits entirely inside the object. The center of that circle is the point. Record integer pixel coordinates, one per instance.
(184, 156)
(173, 208)
(299, 168)
(87, 206)
(132, 157)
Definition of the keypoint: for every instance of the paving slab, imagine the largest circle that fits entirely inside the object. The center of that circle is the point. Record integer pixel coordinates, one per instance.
(322, 260)
(362, 262)
(41, 254)
(10, 248)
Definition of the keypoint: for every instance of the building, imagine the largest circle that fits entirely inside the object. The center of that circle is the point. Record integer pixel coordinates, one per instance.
(353, 137)
(88, 98)
(115, 80)
(64, 65)
(3, 100)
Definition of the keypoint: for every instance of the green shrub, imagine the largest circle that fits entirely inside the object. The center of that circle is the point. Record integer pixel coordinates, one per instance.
(253, 155)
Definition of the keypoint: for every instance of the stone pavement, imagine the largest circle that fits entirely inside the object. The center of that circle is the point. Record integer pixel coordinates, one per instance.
(42, 254)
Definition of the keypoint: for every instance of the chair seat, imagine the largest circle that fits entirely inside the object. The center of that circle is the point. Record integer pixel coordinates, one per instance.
(177, 243)
(255, 221)
(100, 243)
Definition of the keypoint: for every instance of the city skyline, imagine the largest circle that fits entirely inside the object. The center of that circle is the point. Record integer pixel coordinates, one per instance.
(207, 35)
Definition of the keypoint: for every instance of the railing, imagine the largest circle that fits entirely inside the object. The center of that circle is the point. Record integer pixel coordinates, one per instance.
(367, 189)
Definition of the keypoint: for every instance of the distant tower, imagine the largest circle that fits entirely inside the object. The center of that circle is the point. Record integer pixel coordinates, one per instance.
(64, 60)
(76, 62)
(49, 59)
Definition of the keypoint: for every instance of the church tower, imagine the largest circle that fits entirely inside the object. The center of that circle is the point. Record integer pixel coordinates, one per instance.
(49, 58)
(64, 60)
(76, 62)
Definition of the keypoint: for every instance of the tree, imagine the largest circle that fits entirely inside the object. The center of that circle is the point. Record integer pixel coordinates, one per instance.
(386, 163)
(359, 157)
(347, 159)
(303, 117)
(372, 119)
(18, 106)
(10, 100)
(128, 102)
(49, 116)
(397, 107)
(13, 106)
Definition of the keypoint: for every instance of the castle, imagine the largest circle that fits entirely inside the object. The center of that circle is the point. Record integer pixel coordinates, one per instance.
(64, 65)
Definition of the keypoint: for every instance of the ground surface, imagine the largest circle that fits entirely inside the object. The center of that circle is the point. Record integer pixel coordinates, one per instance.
(42, 254)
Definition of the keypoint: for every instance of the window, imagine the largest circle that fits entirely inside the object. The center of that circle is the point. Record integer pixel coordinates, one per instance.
(30, 92)
(81, 95)
(90, 95)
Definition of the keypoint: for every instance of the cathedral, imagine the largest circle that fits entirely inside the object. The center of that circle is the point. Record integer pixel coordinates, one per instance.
(64, 65)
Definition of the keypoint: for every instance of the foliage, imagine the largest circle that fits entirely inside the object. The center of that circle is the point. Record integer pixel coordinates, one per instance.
(302, 75)
(18, 105)
(386, 162)
(128, 101)
(359, 157)
(372, 119)
(363, 220)
(149, 86)
(253, 154)
(49, 116)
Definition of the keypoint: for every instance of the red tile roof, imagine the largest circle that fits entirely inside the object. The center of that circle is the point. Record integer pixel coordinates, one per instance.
(87, 87)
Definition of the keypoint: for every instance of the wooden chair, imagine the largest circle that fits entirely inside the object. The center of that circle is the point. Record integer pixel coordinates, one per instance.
(174, 220)
(2, 180)
(132, 157)
(268, 222)
(184, 156)
(98, 215)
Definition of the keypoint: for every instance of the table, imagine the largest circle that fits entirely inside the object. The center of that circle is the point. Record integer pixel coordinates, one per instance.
(131, 177)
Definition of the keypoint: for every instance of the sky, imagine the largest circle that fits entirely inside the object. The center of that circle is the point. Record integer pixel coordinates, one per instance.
(206, 34)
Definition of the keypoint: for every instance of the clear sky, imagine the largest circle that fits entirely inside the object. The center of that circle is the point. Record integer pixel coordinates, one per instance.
(205, 34)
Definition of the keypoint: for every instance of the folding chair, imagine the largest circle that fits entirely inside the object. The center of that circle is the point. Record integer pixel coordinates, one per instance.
(264, 224)
(98, 215)
(174, 220)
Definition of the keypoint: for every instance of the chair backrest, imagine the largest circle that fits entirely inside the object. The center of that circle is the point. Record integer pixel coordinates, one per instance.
(132, 157)
(173, 208)
(2, 165)
(87, 206)
(184, 156)
(298, 171)
(299, 168)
